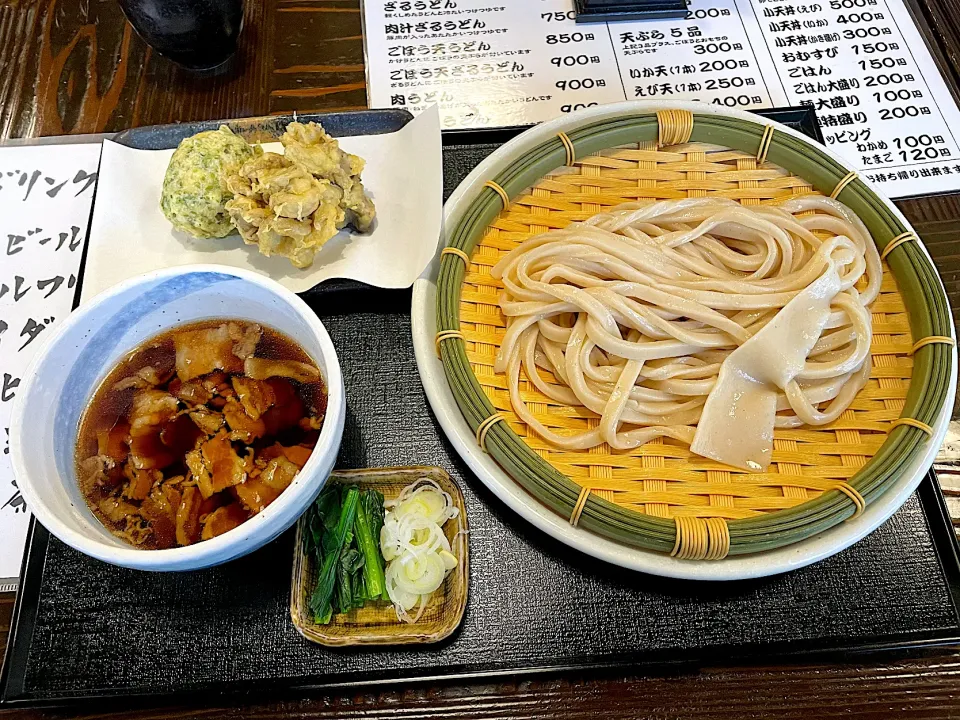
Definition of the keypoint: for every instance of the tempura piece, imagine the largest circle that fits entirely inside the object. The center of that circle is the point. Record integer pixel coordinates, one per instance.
(291, 204)
(194, 193)
(310, 146)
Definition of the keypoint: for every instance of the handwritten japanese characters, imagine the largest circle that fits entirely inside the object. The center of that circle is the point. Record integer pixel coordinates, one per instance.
(26, 180)
(46, 194)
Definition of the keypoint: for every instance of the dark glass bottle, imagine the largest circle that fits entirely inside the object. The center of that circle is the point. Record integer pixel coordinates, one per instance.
(198, 34)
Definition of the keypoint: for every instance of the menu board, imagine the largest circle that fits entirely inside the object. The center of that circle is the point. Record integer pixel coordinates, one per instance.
(861, 64)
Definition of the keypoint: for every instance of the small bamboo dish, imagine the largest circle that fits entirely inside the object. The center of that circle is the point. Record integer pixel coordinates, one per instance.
(378, 624)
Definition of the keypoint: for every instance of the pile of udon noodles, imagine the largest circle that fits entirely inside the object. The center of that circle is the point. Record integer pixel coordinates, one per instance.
(698, 319)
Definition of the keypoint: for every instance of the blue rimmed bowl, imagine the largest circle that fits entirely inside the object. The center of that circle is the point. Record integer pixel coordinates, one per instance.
(65, 375)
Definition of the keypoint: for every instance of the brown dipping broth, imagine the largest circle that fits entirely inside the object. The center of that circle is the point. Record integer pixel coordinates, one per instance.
(110, 406)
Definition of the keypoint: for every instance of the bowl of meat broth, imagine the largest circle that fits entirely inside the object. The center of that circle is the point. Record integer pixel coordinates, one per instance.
(179, 420)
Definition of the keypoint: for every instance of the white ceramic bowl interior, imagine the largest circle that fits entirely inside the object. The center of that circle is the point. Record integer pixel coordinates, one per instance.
(423, 317)
(65, 375)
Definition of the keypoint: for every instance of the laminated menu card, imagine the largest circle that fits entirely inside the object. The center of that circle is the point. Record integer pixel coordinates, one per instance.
(45, 196)
(861, 64)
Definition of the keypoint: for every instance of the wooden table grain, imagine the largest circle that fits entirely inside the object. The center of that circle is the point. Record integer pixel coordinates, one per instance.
(75, 66)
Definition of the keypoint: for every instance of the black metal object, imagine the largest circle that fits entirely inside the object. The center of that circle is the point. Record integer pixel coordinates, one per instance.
(589, 11)
(197, 34)
(84, 631)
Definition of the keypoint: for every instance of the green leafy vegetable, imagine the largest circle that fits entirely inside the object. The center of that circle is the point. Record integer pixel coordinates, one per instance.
(343, 536)
(314, 534)
(343, 590)
(338, 516)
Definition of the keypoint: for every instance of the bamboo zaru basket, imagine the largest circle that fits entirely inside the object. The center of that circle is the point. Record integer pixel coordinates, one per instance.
(661, 497)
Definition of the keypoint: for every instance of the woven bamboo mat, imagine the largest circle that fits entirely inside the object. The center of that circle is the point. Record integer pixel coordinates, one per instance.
(663, 478)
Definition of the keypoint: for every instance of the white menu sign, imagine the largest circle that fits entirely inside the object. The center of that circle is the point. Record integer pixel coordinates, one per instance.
(861, 64)
(45, 197)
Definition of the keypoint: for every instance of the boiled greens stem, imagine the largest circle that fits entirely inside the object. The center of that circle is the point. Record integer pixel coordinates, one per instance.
(367, 531)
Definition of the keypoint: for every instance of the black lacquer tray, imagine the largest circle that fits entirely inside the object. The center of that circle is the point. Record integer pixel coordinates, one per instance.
(84, 631)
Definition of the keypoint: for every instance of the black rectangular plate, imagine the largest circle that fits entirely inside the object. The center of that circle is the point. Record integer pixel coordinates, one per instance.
(88, 632)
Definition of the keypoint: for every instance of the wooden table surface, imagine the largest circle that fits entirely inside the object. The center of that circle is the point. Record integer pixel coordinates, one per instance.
(75, 66)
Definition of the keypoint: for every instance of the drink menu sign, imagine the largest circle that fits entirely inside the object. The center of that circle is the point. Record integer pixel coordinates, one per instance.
(46, 192)
(861, 64)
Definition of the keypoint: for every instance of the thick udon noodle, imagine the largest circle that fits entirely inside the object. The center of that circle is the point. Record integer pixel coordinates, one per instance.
(634, 310)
